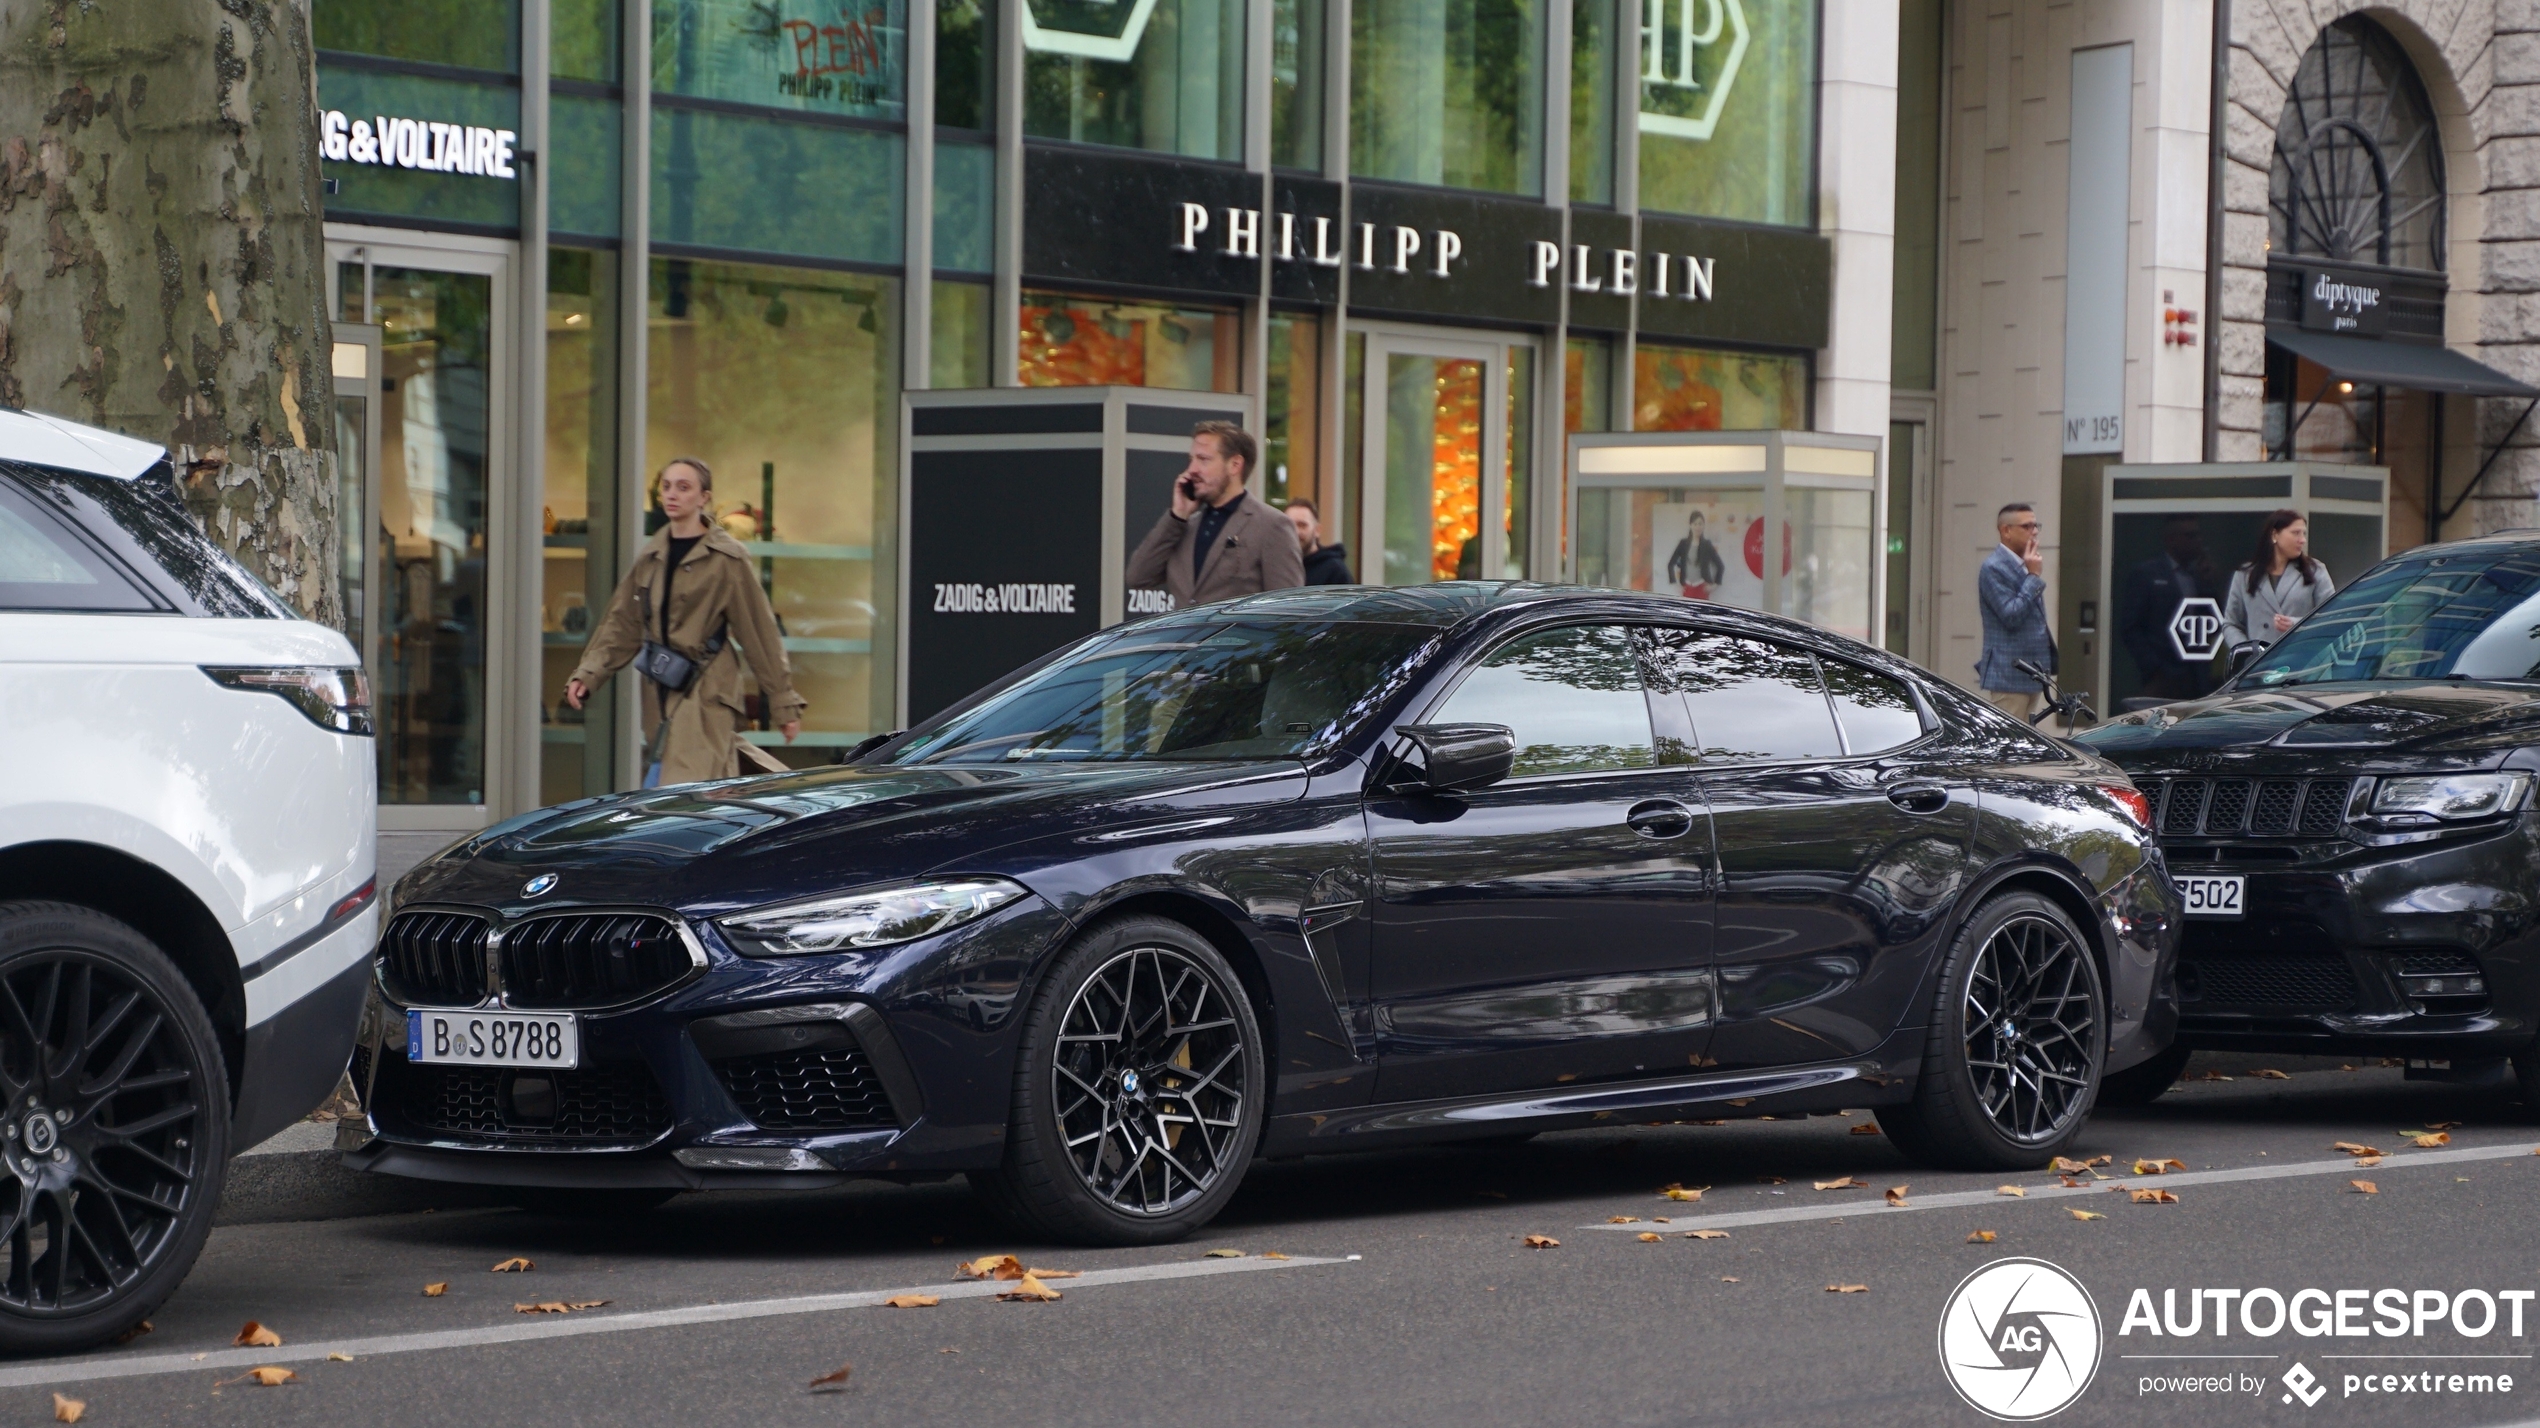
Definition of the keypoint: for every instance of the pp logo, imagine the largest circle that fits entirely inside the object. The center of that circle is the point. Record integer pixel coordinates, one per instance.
(2305, 1384)
(2019, 1340)
(2196, 628)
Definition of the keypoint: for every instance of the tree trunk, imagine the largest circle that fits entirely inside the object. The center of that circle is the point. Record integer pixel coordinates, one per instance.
(162, 257)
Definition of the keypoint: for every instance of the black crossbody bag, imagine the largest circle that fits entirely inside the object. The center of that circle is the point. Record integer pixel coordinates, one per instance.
(672, 670)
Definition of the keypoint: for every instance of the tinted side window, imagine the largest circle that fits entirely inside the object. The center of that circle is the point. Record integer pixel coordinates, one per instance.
(1573, 696)
(143, 524)
(1749, 699)
(1876, 712)
(45, 567)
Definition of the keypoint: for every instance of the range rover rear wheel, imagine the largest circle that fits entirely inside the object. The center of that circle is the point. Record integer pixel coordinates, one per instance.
(114, 1127)
(1138, 1093)
(2011, 1067)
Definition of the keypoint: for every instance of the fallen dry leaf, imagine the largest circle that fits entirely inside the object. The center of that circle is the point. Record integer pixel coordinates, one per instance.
(514, 1265)
(135, 1332)
(1071, 1274)
(435, 1291)
(911, 1301)
(2444, 1125)
(2269, 1073)
(2209, 1076)
(2088, 1215)
(2365, 1187)
(256, 1336)
(267, 1377)
(1731, 1279)
(1225, 1254)
(2367, 1162)
(2154, 1197)
(1847, 1289)
(833, 1380)
(1870, 1129)
(67, 1410)
(1981, 1237)
(2074, 1182)
(1844, 1183)
(994, 1266)
(2158, 1167)
(1684, 1194)
(1622, 1219)
(2431, 1139)
(1706, 1234)
(2015, 1191)
(558, 1306)
(1030, 1290)
(1647, 1238)
(338, 1356)
(1896, 1194)
(1542, 1242)
(2068, 1166)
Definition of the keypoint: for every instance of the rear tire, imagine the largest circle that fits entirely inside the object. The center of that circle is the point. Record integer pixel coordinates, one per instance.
(2012, 1064)
(2145, 1082)
(114, 1127)
(1138, 1090)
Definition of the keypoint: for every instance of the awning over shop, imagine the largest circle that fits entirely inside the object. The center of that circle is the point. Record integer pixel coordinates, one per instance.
(2399, 364)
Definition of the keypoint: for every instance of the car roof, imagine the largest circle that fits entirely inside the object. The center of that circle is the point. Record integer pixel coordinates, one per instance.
(1451, 603)
(64, 445)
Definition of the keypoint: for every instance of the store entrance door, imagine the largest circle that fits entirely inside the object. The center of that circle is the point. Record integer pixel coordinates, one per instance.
(427, 568)
(1448, 441)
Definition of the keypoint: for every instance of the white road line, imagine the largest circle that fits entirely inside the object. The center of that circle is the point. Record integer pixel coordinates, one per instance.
(76, 1370)
(1867, 1208)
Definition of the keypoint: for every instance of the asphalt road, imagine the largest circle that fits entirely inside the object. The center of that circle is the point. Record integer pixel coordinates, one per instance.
(1408, 1296)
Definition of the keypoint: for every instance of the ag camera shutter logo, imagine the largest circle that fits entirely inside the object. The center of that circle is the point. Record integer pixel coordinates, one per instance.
(2019, 1340)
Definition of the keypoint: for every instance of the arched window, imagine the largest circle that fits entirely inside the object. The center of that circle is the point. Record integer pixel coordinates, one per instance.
(2358, 172)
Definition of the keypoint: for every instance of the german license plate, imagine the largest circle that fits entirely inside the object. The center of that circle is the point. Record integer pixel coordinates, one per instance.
(2213, 897)
(493, 1039)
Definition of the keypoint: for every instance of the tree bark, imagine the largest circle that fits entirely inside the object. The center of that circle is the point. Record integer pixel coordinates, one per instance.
(162, 257)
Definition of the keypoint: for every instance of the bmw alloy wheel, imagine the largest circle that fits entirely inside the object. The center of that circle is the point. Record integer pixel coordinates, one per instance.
(1148, 1075)
(2032, 1029)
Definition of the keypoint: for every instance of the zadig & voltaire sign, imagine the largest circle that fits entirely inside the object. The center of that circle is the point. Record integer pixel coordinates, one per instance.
(393, 142)
(1396, 248)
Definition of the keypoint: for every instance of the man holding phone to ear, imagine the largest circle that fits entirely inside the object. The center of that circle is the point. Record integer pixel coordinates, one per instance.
(1216, 541)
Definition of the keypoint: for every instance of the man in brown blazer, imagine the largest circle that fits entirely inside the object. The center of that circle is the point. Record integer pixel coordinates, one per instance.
(1217, 542)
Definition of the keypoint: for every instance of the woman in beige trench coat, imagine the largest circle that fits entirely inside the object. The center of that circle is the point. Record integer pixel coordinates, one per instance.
(717, 615)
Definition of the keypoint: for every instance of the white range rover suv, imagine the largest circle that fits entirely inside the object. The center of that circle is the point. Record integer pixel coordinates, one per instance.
(188, 891)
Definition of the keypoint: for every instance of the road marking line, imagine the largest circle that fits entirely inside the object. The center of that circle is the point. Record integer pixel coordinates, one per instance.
(1871, 1209)
(76, 1370)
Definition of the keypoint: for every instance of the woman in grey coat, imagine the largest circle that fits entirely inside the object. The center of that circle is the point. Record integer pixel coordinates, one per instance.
(2279, 585)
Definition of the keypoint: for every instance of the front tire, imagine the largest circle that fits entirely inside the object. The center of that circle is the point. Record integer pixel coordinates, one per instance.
(2012, 1065)
(1138, 1090)
(114, 1127)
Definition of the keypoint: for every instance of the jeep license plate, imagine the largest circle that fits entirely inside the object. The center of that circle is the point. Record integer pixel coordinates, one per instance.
(2213, 897)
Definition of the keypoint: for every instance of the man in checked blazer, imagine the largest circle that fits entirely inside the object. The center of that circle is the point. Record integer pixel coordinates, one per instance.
(1217, 542)
(2011, 594)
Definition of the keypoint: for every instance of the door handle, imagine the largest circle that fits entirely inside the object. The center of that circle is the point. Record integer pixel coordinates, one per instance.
(1660, 818)
(1919, 797)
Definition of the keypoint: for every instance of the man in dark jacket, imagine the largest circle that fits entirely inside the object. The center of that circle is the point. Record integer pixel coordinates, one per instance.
(1324, 564)
(1216, 542)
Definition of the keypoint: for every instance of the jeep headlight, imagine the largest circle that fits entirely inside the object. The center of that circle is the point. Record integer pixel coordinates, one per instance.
(2449, 796)
(877, 918)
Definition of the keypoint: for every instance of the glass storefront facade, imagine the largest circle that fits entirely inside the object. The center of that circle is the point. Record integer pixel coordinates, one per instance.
(592, 235)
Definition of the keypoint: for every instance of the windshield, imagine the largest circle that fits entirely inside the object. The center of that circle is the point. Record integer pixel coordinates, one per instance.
(2461, 614)
(1188, 689)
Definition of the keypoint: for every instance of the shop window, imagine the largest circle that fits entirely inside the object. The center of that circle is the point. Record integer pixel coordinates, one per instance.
(579, 521)
(1592, 101)
(2358, 168)
(957, 345)
(822, 58)
(776, 186)
(585, 193)
(1728, 109)
(1448, 92)
(1291, 425)
(472, 34)
(965, 64)
(1162, 75)
(965, 207)
(1296, 83)
(785, 381)
(1092, 342)
(465, 200)
(1693, 389)
(583, 38)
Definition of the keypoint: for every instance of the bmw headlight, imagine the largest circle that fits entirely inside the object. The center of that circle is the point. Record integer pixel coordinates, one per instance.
(869, 919)
(2449, 796)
